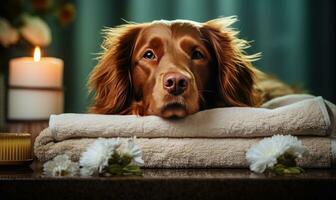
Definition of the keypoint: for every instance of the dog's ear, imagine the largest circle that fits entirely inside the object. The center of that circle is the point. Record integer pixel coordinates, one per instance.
(236, 75)
(110, 80)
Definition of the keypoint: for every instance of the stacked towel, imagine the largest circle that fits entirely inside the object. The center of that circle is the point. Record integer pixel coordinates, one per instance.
(213, 138)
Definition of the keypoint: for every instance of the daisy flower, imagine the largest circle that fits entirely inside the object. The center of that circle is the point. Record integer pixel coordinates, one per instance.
(269, 151)
(97, 155)
(61, 165)
(111, 157)
(134, 151)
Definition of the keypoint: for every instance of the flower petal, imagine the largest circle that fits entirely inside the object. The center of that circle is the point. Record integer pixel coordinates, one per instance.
(8, 34)
(268, 150)
(35, 30)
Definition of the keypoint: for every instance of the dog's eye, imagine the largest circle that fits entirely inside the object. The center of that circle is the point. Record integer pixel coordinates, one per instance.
(196, 55)
(149, 55)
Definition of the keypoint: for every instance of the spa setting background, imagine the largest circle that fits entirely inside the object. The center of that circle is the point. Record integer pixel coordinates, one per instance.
(296, 38)
(49, 47)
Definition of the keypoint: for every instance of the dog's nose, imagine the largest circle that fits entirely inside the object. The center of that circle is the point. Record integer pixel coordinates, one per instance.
(175, 83)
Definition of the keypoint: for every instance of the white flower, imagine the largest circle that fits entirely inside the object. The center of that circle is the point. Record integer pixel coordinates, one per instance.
(133, 151)
(96, 157)
(265, 153)
(8, 34)
(35, 30)
(61, 165)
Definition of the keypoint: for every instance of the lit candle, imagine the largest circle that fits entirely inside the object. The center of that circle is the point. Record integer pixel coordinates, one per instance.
(35, 87)
(36, 71)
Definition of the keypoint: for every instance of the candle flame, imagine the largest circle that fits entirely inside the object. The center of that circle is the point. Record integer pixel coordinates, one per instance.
(37, 54)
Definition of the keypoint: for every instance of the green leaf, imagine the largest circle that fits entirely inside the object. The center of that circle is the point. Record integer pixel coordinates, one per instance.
(281, 169)
(114, 169)
(119, 170)
(132, 170)
(125, 160)
(278, 169)
(293, 170)
(287, 160)
(120, 164)
(115, 157)
(122, 160)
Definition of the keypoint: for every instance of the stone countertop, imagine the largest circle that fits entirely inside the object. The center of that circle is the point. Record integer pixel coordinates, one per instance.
(30, 183)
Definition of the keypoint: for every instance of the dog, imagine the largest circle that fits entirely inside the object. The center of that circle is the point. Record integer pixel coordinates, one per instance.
(176, 68)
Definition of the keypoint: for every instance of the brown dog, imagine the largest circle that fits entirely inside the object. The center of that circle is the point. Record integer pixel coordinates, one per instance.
(176, 68)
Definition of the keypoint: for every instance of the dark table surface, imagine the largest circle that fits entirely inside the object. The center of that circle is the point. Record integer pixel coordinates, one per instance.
(30, 183)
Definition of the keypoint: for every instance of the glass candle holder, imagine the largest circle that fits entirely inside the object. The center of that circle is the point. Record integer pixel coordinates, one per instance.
(15, 149)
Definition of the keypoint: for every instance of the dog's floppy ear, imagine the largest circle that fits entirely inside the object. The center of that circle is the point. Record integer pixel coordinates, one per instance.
(110, 80)
(236, 75)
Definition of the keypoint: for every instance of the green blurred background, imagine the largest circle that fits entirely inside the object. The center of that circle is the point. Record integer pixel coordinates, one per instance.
(296, 37)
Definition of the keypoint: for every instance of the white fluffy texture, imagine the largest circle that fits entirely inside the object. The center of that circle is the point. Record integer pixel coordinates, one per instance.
(134, 151)
(304, 117)
(8, 34)
(35, 31)
(188, 152)
(60, 165)
(265, 153)
(96, 156)
(187, 147)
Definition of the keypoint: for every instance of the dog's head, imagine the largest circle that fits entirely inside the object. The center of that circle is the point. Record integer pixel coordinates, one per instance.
(172, 69)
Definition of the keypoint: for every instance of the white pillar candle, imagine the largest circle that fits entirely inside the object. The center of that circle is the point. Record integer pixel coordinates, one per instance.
(30, 104)
(35, 87)
(42, 73)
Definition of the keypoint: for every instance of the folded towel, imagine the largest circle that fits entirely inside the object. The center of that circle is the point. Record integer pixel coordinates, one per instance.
(292, 116)
(190, 152)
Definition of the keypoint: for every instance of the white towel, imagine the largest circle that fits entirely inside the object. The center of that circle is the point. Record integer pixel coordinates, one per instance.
(292, 115)
(190, 152)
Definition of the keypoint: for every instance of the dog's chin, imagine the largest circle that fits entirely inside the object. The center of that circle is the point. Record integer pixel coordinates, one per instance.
(174, 110)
